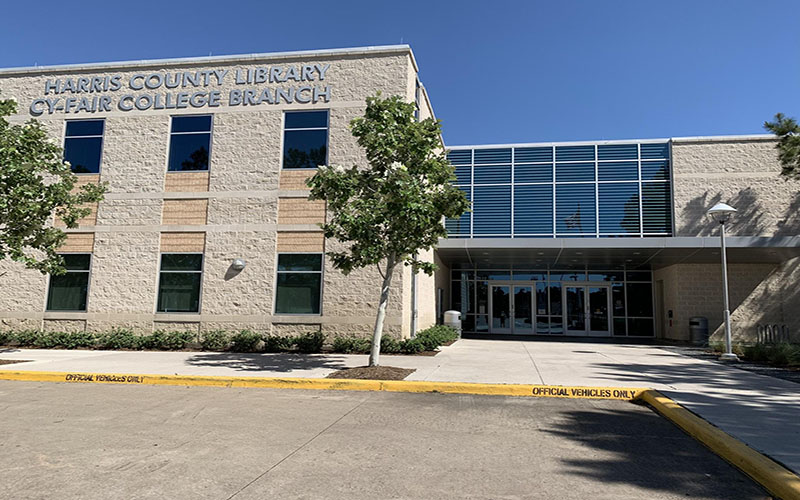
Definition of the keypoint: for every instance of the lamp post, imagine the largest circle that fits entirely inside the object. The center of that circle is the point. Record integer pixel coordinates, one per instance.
(722, 213)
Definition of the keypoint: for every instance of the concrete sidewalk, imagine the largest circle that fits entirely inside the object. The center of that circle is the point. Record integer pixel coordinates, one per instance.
(759, 410)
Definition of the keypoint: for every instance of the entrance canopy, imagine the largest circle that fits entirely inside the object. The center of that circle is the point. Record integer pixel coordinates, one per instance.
(610, 253)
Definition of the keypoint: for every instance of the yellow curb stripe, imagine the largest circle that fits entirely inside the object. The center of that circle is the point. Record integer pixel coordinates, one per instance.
(551, 391)
(778, 480)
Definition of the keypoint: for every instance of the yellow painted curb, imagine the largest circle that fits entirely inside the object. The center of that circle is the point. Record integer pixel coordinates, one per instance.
(547, 391)
(778, 480)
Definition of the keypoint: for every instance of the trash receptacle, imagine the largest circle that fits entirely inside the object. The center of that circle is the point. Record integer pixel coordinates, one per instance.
(453, 320)
(698, 330)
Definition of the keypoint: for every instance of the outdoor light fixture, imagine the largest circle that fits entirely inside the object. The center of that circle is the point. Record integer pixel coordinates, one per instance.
(722, 213)
(238, 264)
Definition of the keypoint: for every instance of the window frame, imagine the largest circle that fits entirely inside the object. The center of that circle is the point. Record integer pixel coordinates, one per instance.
(321, 273)
(210, 140)
(327, 138)
(64, 138)
(200, 291)
(88, 285)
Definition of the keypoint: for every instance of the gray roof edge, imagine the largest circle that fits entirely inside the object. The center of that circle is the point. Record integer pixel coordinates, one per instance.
(622, 243)
(368, 50)
(679, 140)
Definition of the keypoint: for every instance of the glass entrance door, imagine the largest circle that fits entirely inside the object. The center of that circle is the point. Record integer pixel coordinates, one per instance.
(523, 309)
(598, 311)
(500, 322)
(587, 310)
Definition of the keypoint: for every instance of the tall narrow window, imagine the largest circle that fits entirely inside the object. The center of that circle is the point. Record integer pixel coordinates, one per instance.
(83, 145)
(179, 282)
(190, 143)
(67, 292)
(299, 283)
(305, 139)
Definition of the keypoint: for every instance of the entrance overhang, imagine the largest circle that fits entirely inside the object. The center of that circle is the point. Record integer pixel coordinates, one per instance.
(614, 253)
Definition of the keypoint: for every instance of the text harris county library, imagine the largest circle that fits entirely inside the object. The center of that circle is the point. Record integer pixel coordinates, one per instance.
(178, 90)
(207, 223)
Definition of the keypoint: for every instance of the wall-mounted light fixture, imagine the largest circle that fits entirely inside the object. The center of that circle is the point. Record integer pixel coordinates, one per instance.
(238, 264)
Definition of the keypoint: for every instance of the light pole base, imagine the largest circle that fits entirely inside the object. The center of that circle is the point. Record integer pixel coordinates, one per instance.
(729, 357)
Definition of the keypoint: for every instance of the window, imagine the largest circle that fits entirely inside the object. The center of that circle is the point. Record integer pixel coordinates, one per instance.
(299, 283)
(305, 139)
(190, 143)
(83, 145)
(67, 292)
(179, 282)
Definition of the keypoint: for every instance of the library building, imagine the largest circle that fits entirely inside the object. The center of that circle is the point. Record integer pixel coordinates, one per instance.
(206, 223)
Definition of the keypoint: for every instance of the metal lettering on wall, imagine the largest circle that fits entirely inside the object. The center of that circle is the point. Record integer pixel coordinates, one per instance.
(183, 89)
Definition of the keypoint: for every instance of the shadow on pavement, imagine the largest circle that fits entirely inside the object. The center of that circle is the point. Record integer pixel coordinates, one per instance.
(760, 410)
(267, 362)
(642, 450)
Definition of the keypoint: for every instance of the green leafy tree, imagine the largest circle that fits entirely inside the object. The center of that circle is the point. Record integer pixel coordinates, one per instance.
(36, 184)
(392, 208)
(788, 132)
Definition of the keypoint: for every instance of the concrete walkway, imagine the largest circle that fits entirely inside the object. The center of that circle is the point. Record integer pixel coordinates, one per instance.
(759, 410)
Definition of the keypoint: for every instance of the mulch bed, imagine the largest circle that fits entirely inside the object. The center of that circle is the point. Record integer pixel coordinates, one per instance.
(373, 373)
(12, 361)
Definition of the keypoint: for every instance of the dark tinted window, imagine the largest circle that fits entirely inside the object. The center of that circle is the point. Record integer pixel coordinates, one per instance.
(83, 145)
(189, 143)
(179, 283)
(299, 284)
(67, 292)
(305, 139)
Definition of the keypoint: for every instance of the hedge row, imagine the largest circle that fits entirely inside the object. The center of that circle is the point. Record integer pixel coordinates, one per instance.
(220, 340)
(782, 354)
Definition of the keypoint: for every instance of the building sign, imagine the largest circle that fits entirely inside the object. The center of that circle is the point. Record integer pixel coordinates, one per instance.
(299, 84)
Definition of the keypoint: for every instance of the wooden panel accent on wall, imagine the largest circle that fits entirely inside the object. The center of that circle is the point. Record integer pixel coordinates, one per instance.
(300, 211)
(184, 212)
(186, 182)
(78, 242)
(295, 179)
(183, 242)
(297, 241)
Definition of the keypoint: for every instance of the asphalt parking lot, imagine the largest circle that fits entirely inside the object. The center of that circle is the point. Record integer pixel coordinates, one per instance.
(132, 442)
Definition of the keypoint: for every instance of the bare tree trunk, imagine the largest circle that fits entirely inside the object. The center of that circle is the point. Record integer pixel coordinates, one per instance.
(375, 352)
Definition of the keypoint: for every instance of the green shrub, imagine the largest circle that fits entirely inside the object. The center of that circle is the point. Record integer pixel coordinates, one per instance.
(119, 338)
(351, 345)
(177, 340)
(757, 353)
(5, 337)
(67, 340)
(278, 344)
(780, 354)
(389, 345)
(436, 335)
(25, 337)
(310, 342)
(214, 340)
(153, 341)
(245, 341)
(411, 346)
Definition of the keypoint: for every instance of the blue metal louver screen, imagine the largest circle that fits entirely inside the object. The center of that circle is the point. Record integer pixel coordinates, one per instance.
(583, 190)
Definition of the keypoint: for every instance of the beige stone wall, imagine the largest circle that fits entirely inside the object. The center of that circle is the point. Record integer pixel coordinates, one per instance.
(244, 207)
(743, 173)
(696, 290)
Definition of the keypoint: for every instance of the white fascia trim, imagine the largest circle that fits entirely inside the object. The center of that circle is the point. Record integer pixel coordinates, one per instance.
(241, 58)
(726, 138)
(564, 143)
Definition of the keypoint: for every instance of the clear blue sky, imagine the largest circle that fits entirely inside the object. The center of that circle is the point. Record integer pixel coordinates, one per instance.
(496, 71)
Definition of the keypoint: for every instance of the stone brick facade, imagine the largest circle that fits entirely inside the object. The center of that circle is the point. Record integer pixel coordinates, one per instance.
(244, 207)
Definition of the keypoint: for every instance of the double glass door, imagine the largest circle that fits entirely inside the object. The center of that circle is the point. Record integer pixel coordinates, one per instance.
(587, 310)
(512, 309)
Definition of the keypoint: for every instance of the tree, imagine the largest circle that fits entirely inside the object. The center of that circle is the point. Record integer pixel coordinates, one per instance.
(36, 184)
(788, 132)
(392, 208)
